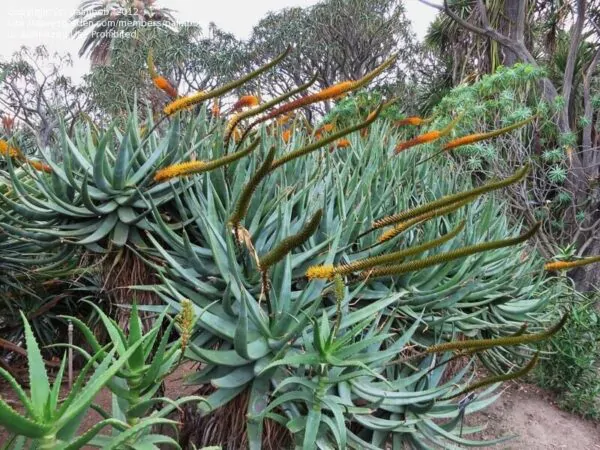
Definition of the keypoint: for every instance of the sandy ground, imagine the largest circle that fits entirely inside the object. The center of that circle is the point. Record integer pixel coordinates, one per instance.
(530, 412)
(522, 410)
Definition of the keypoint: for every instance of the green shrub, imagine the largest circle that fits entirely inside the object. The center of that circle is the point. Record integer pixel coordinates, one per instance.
(572, 369)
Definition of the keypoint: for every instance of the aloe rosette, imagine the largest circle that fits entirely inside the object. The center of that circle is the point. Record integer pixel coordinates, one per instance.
(98, 195)
(316, 355)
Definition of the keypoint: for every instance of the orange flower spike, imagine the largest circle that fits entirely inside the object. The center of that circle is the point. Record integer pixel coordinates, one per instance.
(565, 265)
(7, 150)
(199, 97)
(286, 136)
(179, 170)
(342, 143)
(327, 128)
(421, 139)
(414, 121)
(163, 84)
(328, 93)
(334, 91)
(184, 102)
(38, 165)
(427, 137)
(245, 101)
(472, 138)
(160, 82)
(558, 265)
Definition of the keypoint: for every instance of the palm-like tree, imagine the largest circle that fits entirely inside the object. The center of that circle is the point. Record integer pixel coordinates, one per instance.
(105, 20)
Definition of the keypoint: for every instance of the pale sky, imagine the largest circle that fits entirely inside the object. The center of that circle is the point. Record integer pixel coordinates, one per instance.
(35, 22)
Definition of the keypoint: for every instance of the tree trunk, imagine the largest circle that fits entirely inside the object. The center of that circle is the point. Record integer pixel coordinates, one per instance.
(508, 27)
(587, 278)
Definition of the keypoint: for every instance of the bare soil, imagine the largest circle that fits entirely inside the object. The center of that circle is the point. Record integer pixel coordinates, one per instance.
(531, 413)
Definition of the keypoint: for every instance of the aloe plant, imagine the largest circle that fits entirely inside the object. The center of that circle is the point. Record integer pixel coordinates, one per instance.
(279, 251)
(139, 379)
(274, 340)
(50, 422)
(96, 196)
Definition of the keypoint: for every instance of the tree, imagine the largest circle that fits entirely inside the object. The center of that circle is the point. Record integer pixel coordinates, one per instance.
(108, 21)
(207, 60)
(334, 40)
(562, 37)
(191, 60)
(35, 95)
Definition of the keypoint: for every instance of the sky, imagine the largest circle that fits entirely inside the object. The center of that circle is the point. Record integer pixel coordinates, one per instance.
(35, 22)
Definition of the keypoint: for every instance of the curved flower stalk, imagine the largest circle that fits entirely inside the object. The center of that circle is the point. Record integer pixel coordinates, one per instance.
(328, 272)
(567, 265)
(199, 97)
(323, 142)
(288, 244)
(427, 137)
(159, 81)
(329, 93)
(243, 203)
(245, 101)
(282, 249)
(483, 344)
(450, 199)
(412, 121)
(195, 167)
(472, 138)
(406, 225)
(236, 119)
(498, 378)
(429, 261)
(475, 346)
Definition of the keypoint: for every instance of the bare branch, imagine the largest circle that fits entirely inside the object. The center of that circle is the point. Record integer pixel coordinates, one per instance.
(432, 5)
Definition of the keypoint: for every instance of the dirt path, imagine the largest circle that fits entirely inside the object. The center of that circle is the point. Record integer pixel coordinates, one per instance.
(529, 412)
